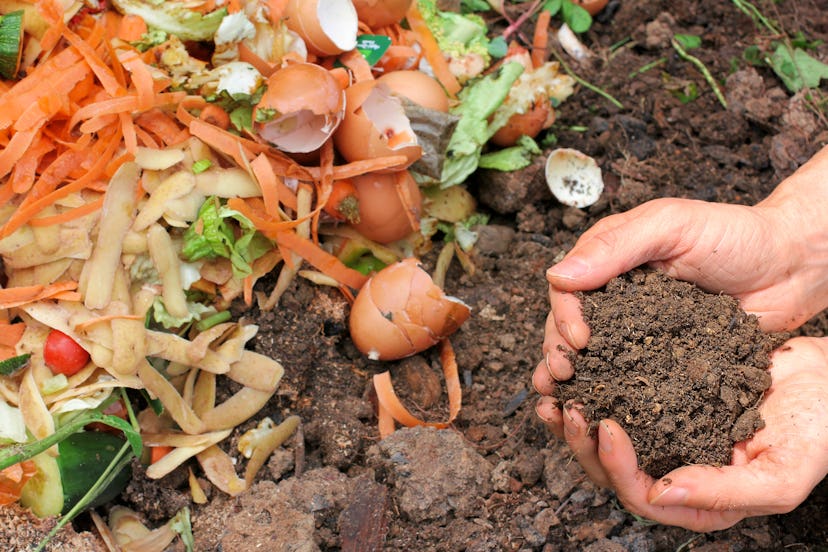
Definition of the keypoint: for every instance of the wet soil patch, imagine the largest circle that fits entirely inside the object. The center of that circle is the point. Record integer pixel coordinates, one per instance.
(682, 370)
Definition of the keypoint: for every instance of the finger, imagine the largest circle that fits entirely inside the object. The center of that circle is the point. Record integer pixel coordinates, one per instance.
(555, 351)
(633, 486)
(549, 411)
(568, 318)
(585, 447)
(542, 380)
(618, 243)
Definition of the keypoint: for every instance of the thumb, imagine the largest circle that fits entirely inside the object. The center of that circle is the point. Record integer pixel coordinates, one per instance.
(744, 487)
(619, 243)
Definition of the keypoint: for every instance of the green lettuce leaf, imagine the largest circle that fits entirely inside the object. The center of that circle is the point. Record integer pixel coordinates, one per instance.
(478, 101)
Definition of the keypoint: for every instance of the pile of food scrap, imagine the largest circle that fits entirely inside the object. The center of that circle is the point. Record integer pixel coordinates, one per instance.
(160, 158)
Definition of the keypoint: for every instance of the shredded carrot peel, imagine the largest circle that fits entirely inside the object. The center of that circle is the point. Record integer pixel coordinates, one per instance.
(392, 409)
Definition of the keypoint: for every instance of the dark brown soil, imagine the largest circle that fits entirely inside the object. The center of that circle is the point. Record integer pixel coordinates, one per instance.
(682, 370)
(497, 480)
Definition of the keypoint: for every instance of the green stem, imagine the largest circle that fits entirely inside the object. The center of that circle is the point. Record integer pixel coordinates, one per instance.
(701, 67)
(647, 67)
(753, 12)
(586, 84)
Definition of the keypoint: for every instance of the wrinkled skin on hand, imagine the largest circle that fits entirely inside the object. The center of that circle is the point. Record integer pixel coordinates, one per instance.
(773, 257)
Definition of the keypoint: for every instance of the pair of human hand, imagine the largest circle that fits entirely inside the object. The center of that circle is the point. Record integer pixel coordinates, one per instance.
(773, 257)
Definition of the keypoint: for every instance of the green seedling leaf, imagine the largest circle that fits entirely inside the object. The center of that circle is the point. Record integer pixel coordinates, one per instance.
(797, 68)
(688, 94)
(576, 17)
(688, 41)
(753, 55)
(498, 47)
(553, 6)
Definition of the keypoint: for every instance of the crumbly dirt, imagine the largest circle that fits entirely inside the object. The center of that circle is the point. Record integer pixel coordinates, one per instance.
(682, 370)
(497, 480)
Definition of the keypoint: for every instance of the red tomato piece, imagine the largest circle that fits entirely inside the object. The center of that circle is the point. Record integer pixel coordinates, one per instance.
(63, 355)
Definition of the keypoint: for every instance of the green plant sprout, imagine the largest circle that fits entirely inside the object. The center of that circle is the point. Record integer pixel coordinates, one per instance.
(681, 43)
(585, 84)
(789, 59)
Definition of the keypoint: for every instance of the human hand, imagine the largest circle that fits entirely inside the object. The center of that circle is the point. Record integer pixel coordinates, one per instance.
(771, 473)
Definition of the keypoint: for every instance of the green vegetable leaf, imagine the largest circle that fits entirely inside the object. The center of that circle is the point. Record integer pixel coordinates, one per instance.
(478, 101)
(222, 232)
(797, 68)
(152, 38)
(174, 18)
(512, 158)
(688, 41)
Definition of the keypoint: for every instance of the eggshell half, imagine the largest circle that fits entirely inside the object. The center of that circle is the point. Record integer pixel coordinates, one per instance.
(308, 103)
(592, 6)
(418, 87)
(382, 215)
(328, 27)
(400, 312)
(574, 178)
(375, 125)
(380, 13)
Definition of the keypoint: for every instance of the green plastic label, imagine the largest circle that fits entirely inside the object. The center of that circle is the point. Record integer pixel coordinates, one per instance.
(372, 47)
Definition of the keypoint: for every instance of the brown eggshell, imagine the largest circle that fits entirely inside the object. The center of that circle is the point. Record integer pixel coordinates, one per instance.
(400, 312)
(382, 215)
(380, 13)
(328, 27)
(375, 125)
(530, 123)
(592, 6)
(309, 104)
(418, 87)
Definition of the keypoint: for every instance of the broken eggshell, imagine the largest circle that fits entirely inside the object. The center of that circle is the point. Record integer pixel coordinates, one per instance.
(302, 107)
(390, 205)
(381, 13)
(375, 125)
(328, 27)
(573, 177)
(400, 312)
(424, 90)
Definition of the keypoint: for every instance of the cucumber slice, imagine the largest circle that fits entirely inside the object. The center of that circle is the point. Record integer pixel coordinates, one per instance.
(11, 43)
(83, 458)
(43, 493)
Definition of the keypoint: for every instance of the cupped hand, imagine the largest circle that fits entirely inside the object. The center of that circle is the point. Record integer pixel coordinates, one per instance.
(771, 473)
(773, 257)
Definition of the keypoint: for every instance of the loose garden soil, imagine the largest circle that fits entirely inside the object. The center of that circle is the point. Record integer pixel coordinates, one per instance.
(497, 479)
(681, 369)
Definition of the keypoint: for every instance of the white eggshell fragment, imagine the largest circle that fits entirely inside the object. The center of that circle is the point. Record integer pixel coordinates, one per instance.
(573, 177)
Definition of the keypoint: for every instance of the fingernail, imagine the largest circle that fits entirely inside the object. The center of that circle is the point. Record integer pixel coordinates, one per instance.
(671, 496)
(550, 402)
(546, 360)
(570, 268)
(604, 438)
(566, 331)
(572, 428)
